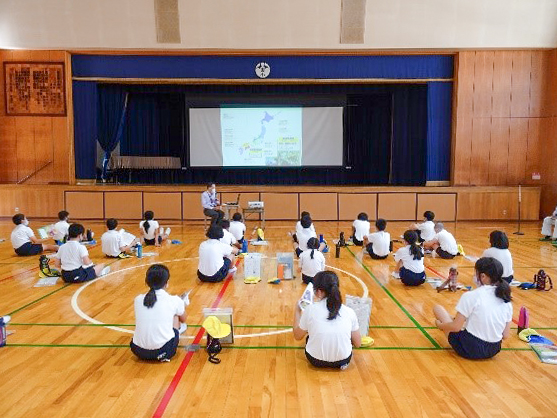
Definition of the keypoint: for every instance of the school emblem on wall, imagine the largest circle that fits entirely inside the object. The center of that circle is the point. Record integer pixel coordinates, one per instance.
(35, 89)
(262, 70)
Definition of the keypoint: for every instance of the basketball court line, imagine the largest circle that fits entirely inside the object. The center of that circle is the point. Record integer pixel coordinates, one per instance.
(39, 299)
(17, 274)
(395, 300)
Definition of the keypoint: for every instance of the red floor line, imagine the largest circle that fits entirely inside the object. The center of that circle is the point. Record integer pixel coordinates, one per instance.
(180, 372)
(436, 272)
(17, 274)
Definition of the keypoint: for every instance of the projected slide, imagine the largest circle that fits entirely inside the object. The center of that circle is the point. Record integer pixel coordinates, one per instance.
(261, 136)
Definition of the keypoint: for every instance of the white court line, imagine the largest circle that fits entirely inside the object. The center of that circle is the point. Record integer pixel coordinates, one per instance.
(78, 311)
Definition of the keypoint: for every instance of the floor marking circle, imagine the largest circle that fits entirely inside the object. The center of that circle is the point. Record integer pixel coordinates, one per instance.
(83, 315)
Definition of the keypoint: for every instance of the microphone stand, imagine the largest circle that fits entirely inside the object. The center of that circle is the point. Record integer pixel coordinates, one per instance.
(519, 205)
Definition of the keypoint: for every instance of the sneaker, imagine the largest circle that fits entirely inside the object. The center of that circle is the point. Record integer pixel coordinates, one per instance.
(183, 328)
(105, 271)
(164, 360)
(167, 231)
(186, 297)
(124, 255)
(395, 274)
(546, 238)
(344, 366)
(44, 268)
(233, 270)
(6, 319)
(161, 231)
(326, 249)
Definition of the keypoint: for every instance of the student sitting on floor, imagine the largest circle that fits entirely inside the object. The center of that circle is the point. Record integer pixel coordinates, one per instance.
(312, 261)
(304, 234)
(378, 244)
(500, 251)
(160, 318)
(360, 229)
(151, 234)
(299, 226)
(426, 229)
(483, 316)
(228, 237)
(216, 259)
(331, 327)
(61, 227)
(113, 244)
(410, 261)
(73, 259)
(443, 243)
(24, 241)
(237, 227)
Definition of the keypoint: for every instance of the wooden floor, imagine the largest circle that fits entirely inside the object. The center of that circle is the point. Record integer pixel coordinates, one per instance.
(59, 364)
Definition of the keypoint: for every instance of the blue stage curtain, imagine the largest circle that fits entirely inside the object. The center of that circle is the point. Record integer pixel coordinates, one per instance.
(113, 102)
(85, 102)
(439, 113)
(409, 162)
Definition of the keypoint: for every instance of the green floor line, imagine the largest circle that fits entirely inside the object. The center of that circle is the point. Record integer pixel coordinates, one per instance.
(39, 299)
(429, 337)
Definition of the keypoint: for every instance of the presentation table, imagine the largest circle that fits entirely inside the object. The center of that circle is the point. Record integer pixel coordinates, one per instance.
(227, 209)
(251, 211)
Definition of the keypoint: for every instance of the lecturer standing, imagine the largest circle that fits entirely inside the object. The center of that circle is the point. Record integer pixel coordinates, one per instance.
(211, 205)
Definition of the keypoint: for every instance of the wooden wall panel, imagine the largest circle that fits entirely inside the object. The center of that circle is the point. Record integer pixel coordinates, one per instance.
(481, 140)
(489, 205)
(281, 205)
(165, 205)
(499, 151)
(397, 206)
(191, 206)
(502, 74)
(25, 136)
(40, 203)
(535, 133)
(123, 205)
(350, 205)
(85, 205)
(520, 83)
(442, 204)
(518, 146)
(43, 149)
(8, 149)
(462, 151)
(321, 206)
(539, 78)
(483, 83)
(61, 151)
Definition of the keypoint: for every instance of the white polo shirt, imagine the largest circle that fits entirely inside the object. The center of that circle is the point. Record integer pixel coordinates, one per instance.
(111, 243)
(299, 227)
(504, 257)
(361, 229)
(447, 242)
(329, 340)
(60, 230)
(381, 241)
(427, 230)
(71, 255)
(487, 315)
(211, 256)
(237, 229)
(153, 226)
(303, 236)
(408, 262)
(154, 326)
(21, 234)
(228, 238)
(310, 267)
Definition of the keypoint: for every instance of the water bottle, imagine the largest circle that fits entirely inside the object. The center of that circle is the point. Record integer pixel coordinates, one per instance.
(139, 250)
(337, 250)
(3, 332)
(245, 246)
(320, 238)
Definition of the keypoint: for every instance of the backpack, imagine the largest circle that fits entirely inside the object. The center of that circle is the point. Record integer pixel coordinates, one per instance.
(542, 281)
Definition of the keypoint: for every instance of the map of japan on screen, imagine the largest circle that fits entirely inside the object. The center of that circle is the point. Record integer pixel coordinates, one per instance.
(261, 136)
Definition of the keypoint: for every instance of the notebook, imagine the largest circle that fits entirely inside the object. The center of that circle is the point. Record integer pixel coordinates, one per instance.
(236, 202)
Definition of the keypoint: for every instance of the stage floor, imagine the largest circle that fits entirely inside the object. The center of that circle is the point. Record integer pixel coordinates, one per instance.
(69, 355)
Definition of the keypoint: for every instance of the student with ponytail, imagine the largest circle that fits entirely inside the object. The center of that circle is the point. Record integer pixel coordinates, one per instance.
(158, 316)
(331, 327)
(312, 261)
(151, 232)
(410, 261)
(483, 316)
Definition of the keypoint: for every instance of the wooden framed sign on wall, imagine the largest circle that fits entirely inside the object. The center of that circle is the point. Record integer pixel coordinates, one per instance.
(35, 89)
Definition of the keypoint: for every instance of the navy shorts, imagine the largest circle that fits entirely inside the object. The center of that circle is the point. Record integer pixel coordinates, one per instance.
(298, 252)
(328, 364)
(307, 279)
(444, 254)
(29, 249)
(167, 351)
(79, 275)
(357, 242)
(409, 278)
(219, 276)
(151, 241)
(369, 249)
(471, 347)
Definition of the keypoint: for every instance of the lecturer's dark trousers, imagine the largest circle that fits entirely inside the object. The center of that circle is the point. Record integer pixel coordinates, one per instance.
(216, 215)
